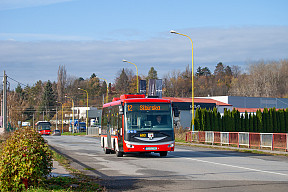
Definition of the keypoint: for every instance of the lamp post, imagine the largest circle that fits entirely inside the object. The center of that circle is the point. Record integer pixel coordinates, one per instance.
(136, 71)
(56, 118)
(86, 110)
(72, 113)
(62, 114)
(191, 75)
(107, 89)
(33, 120)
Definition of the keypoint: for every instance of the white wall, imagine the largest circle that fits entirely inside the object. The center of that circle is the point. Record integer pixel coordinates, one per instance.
(223, 99)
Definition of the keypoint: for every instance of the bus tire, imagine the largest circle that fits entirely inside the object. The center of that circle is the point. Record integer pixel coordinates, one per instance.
(163, 153)
(107, 151)
(119, 154)
(114, 146)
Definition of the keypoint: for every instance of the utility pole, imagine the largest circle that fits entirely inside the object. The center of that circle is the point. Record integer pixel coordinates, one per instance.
(4, 106)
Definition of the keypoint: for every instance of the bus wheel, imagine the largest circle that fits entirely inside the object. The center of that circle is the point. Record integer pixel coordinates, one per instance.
(113, 151)
(119, 154)
(163, 153)
(107, 151)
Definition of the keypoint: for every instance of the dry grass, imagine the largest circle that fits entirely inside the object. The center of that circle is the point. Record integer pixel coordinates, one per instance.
(180, 134)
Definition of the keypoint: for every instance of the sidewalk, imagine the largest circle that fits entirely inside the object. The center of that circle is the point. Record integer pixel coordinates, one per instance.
(233, 148)
(59, 170)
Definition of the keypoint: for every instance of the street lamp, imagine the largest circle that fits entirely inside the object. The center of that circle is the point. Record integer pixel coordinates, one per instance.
(136, 70)
(191, 75)
(107, 89)
(62, 114)
(72, 113)
(86, 110)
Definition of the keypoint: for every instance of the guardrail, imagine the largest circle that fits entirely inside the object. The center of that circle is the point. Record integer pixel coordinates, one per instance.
(247, 139)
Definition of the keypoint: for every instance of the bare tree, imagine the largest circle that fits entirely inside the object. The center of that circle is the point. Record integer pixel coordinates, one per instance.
(62, 81)
(236, 71)
(263, 79)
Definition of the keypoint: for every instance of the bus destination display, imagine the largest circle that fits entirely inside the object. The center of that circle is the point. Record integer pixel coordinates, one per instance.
(148, 107)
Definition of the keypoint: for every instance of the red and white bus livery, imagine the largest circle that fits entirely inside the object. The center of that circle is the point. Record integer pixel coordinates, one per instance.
(133, 123)
(43, 127)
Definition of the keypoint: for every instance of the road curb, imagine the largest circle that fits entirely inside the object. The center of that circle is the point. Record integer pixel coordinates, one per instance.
(59, 171)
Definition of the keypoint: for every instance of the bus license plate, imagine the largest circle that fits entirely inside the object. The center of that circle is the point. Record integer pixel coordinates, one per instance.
(150, 148)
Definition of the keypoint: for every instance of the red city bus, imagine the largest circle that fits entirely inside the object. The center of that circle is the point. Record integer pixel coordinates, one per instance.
(133, 123)
(43, 127)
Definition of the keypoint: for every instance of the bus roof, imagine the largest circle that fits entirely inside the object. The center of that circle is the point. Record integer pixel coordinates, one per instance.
(43, 122)
(135, 98)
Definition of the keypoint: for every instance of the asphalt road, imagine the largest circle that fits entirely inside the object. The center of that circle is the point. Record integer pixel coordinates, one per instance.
(186, 169)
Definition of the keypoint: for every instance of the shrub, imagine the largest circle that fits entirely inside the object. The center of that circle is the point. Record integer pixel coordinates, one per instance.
(25, 160)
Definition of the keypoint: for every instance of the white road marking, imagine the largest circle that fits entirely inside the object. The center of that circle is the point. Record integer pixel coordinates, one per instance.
(234, 166)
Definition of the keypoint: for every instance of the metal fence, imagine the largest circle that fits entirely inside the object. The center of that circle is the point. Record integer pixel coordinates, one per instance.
(250, 140)
(93, 131)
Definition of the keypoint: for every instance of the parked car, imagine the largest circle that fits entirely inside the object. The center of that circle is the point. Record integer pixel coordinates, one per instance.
(56, 133)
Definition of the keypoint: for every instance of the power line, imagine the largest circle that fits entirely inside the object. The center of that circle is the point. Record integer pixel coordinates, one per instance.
(16, 81)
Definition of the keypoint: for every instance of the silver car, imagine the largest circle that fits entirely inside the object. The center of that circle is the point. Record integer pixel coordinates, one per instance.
(56, 133)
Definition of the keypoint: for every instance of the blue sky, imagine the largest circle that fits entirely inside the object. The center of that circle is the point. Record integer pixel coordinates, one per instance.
(93, 36)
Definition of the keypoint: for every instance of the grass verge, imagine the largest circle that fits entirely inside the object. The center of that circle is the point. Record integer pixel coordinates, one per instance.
(68, 133)
(79, 181)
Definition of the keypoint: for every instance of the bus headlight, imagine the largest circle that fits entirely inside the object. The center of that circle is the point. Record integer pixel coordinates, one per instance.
(171, 145)
(129, 146)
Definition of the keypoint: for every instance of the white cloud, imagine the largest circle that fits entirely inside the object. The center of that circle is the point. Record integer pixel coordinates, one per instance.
(41, 37)
(15, 4)
(29, 62)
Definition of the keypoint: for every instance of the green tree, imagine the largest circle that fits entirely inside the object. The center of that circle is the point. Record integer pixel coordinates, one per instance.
(152, 74)
(204, 122)
(259, 121)
(216, 119)
(235, 119)
(122, 85)
(103, 88)
(219, 70)
(208, 120)
(286, 120)
(219, 121)
(19, 90)
(199, 72)
(242, 123)
(275, 121)
(281, 120)
(49, 99)
(270, 122)
(197, 120)
(225, 121)
(246, 122)
(93, 76)
(251, 117)
(265, 120)
(255, 125)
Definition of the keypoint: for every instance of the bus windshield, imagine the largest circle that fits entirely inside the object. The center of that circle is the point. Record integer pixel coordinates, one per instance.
(44, 126)
(148, 116)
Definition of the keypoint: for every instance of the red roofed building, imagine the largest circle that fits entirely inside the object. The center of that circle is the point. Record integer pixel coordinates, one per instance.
(185, 105)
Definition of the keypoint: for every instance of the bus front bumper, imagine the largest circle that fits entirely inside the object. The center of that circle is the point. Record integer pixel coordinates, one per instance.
(147, 147)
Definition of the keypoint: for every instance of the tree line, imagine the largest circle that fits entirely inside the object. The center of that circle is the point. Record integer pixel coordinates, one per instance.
(261, 79)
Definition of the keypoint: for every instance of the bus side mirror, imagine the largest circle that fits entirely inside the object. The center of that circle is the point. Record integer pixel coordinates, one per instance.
(176, 112)
(121, 110)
